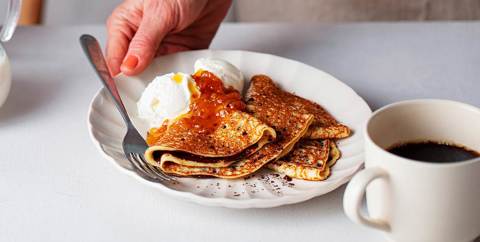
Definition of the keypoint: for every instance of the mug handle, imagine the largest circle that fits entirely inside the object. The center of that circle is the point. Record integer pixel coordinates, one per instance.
(353, 198)
(10, 21)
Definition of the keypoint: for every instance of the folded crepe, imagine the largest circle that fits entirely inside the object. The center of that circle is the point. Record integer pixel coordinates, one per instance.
(275, 122)
(309, 160)
(324, 126)
(237, 136)
(289, 124)
(236, 131)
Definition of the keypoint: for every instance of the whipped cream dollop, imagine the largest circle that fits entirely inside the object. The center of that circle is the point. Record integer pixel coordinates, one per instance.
(166, 97)
(224, 70)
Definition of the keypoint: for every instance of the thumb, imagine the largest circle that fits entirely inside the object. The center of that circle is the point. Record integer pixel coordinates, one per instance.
(144, 45)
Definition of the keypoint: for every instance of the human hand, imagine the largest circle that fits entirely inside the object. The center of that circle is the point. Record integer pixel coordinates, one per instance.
(139, 30)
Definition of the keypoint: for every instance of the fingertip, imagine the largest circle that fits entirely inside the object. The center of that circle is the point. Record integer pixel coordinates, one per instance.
(130, 62)
(130, 65)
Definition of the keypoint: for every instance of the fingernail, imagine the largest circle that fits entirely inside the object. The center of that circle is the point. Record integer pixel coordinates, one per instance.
(130, 62)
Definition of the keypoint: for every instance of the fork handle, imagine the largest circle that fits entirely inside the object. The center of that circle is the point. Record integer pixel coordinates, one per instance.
(92, 49)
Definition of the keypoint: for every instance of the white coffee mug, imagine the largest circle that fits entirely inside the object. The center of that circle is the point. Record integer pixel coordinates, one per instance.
(412, 200)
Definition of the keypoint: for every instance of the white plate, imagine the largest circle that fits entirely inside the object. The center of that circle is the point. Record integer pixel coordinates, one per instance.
(264, 189)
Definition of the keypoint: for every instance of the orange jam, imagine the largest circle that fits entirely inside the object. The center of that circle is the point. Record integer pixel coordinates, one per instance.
(214, 103)
(155, 133)
(207, 108)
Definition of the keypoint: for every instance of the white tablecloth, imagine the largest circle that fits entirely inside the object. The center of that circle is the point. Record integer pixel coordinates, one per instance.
(55, 186)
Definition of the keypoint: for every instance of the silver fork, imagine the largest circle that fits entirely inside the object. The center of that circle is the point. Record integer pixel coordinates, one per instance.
(134, 145)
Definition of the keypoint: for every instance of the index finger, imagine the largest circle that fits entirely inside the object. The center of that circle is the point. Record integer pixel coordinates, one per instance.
(118, 39)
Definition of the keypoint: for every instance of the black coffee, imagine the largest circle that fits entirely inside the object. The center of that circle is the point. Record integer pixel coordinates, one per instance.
(430, 151)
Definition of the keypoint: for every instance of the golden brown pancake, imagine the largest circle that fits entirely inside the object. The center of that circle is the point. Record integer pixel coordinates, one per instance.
(216, 131)
(182, 158)
(308, 152)
(289, 118)
(297, 126)
(238, 169)
(324, 126)
(337, 131)
(334, 154)
(268, 105)
(298, 171)
(310, 160)
(235, 132)
(290, 125)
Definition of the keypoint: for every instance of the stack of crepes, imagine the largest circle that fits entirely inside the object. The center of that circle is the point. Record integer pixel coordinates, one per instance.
(278, 130)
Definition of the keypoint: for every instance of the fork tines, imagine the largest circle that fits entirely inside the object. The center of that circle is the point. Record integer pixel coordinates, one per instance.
(146, 169)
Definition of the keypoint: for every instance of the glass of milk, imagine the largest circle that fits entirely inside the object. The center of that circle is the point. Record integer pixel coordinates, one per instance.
(6, 32)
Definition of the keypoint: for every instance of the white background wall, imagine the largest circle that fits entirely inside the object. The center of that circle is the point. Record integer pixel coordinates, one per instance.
(67, 12)
(74, 12)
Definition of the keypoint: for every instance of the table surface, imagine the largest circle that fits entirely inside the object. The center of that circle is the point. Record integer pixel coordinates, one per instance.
(55, 186)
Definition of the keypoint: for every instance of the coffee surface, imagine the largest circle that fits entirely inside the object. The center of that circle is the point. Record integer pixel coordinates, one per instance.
(435, 152)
